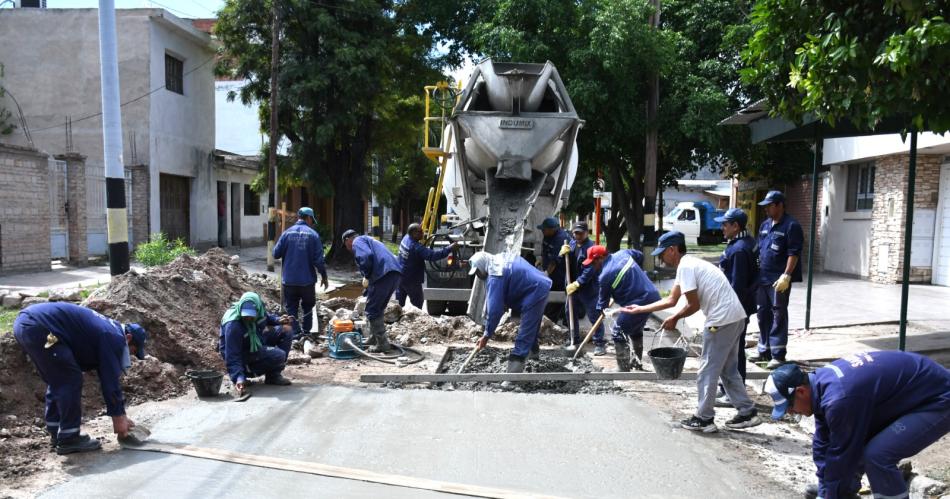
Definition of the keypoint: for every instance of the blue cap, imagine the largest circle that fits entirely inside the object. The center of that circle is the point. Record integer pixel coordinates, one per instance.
(306, 211)
(549, 223)
(781, 386)
(348, 234)
(773, 197)
(249, 309)
(734, 215)
(138, 339)
(671, 238)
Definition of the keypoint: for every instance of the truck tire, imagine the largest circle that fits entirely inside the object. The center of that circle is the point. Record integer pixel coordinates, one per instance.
(435, 307)
(458, 308)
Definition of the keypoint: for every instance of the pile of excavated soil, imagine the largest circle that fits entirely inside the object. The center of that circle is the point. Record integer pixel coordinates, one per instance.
(495, 360)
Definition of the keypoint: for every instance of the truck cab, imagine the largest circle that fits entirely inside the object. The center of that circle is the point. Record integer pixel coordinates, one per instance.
(696, 220)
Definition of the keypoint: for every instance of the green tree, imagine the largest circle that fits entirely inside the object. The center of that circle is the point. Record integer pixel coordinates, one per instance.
(863, 61)
(346, 68)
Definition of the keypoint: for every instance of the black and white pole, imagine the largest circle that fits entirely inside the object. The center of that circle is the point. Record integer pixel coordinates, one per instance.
(116, 212)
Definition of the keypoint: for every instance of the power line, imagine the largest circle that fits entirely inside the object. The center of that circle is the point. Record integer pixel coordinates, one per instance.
(209, 9)
(196, 68)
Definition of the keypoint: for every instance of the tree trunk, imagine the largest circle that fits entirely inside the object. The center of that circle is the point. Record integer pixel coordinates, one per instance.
(629, 202)
(348, 192)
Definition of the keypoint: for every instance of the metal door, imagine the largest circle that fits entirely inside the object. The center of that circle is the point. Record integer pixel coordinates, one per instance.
(58, 214)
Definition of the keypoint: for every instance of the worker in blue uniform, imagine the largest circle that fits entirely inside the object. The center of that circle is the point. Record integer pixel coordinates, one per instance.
(412, 256)
(301, 253)
(582, 291)
(63, 340)
(552, 264)
(381, 273)
(780, 247)
(738, 262)
(871, 410)
(623, 280)
(512, 283)
(254, 343)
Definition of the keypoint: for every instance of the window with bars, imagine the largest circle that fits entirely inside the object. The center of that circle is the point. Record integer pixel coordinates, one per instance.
(860, 195)
(174, 77)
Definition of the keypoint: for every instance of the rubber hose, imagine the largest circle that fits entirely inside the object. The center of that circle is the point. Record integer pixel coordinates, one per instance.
(387, 360)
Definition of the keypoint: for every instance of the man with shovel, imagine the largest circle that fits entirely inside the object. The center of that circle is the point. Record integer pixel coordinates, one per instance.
(582, 291)
(707, 289)
(512, 283)
(622, 280)
(63, 340)
(252, 344)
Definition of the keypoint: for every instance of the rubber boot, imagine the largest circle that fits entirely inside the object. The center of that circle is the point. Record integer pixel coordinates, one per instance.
(378, 326)
(77, 443)
(535, 352)
(622, 352)
(515, 365)
(637, 362)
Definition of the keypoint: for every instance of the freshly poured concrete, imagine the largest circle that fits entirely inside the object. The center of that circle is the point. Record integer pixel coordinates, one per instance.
(567, 445)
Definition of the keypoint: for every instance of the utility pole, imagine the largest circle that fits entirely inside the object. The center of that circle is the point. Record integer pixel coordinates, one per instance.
(272, 157)
(116, 212)
(649, 178)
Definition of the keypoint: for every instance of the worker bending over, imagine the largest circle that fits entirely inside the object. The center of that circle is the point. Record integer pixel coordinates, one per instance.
(871, 410)
(582, 291)
(381, 273)
(622, 280)
(412, 257)
(63, 340)
(301, 252)
(254, 343)
(512, 284)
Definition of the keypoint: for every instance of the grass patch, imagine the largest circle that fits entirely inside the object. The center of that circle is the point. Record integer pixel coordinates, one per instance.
(160, 251)
(7, 315)
(392, 247)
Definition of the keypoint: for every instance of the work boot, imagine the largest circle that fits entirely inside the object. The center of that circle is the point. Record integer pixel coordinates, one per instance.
(77, 443)
(637, 361)
(276, 379)
(811, 492)
(535, 352)
(622, 352)
(600, 350)
(515, 365)
(760, 357)
(52, 439)
(378, 327)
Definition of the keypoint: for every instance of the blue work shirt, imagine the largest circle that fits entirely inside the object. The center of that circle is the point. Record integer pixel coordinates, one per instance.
(301, 252)
(412, 257)
(856, 397)
(97, 343)
(233, 345)
(585, 275)
(626, 287)
(777, 242)
(738, 263)
(519, 287)
(373, 258)
(550, 247)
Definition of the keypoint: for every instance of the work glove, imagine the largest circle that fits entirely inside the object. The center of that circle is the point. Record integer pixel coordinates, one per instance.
(365, 282)
(572, 287)
(565, 250)
(782, 284)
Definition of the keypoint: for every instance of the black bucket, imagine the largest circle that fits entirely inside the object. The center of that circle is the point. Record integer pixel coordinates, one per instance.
(206, 383)
(668, 361)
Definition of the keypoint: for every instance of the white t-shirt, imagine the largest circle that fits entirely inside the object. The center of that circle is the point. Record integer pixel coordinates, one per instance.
(717, 299)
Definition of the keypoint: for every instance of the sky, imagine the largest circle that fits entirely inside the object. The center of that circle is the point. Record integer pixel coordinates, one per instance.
(181, 8)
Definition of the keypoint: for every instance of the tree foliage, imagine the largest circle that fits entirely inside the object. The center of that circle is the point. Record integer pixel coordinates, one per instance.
(863, 60)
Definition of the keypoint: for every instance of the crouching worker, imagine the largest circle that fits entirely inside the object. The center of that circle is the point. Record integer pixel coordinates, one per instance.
(63, 340)
(512, 284)
(254, 343)
(871, 410)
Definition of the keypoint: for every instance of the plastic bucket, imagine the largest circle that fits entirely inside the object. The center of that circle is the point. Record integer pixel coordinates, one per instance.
(206, 383)
(668, 361)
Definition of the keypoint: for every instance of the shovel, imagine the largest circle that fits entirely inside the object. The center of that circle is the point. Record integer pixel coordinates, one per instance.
(570, 302)
(580, 348)
(138, 435)
(469, 359)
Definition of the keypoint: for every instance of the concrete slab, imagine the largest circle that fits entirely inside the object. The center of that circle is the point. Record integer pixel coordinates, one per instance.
(569, 445)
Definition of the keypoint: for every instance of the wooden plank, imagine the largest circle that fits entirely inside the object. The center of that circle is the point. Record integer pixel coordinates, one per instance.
(530, 377)
(337, 471)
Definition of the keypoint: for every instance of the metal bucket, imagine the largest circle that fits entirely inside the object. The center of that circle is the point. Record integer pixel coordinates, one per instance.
(668, 361)
(206, 383)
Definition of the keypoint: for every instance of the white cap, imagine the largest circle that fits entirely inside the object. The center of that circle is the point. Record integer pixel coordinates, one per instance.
(479, 261)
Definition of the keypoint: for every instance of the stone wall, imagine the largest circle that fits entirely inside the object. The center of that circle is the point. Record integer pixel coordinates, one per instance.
(24, 210)
(798, 204)
(140, 204)
(76, 213)
(887, 222)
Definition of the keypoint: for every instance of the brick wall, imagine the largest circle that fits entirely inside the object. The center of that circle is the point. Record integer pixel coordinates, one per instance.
(887, 219)
(24, 210)
(798, 205)
(140, 210)
(76, 197)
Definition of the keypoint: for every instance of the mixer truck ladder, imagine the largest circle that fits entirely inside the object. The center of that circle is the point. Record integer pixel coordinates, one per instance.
(440, 100)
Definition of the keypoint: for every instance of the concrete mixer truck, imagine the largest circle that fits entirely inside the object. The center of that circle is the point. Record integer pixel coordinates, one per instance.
(507, 155)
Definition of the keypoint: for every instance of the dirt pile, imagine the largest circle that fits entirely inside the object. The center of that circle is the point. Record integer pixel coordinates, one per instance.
(495, 360)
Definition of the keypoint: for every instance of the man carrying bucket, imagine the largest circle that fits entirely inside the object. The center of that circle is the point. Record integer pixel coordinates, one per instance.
(706, 288)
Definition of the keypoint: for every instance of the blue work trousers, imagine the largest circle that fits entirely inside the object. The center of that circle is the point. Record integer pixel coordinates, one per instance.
(60, 371)
(585, 306)
(905, 437)
(627, 327)
(300, 300)
(378, 294)
(271, 358)
(529, 328)
(773, 321)
(412, 291)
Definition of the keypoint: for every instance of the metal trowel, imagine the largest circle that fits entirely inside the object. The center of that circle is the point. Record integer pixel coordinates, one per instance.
(138, 435)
